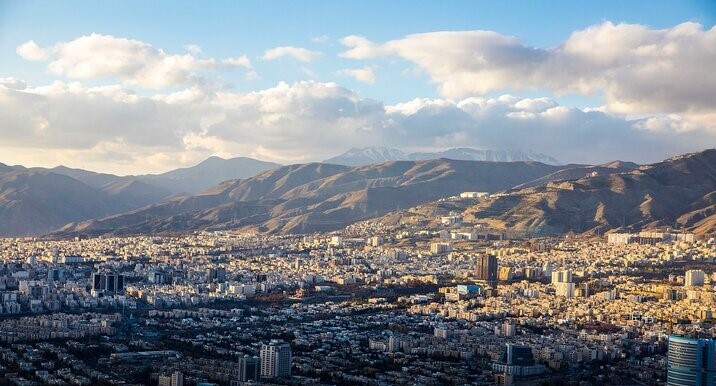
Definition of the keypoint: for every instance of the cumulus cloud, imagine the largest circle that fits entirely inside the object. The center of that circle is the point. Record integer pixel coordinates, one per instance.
(31, 51)
(638, 70)
(298, 53)
(242, 61)
(132, 61)
(111, 128)
(364, 74)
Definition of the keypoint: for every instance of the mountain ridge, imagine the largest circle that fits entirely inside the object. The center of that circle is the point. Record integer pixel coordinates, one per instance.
(31, 205)
(679, 191)
(316, 196)
(369, 155)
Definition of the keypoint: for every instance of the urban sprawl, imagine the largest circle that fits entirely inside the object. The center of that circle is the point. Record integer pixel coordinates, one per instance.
(430, 302)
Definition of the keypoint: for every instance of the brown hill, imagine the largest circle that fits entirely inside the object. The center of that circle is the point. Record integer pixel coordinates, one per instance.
(315, 197)
(574, 172)
(676, 192)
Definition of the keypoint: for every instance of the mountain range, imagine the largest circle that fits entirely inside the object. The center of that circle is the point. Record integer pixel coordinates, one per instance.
(208, 173)
(31, 205)
(536, 198)
(313, 197)
(34, 201)
(678, 192)
(371, 155)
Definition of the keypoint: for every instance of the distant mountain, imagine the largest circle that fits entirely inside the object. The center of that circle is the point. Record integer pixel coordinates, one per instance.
(369, 155)
(93, 179)
(469, 154)
(35, 202)
(366, 156)
(208, 173)
(679, 191)
(128, 192)
(537, 198)
(5, 168)
(187, 180)
(315, 197)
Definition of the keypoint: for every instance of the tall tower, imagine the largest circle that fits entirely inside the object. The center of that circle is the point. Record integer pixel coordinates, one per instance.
(177, 378)
(276, 359)
(486, 269)
(249, 368)
(691, 362)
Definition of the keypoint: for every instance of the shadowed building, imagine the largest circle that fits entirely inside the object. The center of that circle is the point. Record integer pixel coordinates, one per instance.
(486, 269)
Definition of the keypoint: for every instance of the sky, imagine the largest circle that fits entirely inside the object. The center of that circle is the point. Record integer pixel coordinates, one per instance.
(137, 87)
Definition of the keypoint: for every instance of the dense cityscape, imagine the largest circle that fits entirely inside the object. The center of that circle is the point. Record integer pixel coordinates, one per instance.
(358, 193)
(443, 302)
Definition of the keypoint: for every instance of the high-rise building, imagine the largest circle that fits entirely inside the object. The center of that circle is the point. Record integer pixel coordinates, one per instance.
(177, 378)
(336, 241)
(584, 290)
(249, 368)
(393, 344)
(508, 329)
(437, 248)
(375, 241)
(563, 276)
(564, 289)
(518, 361)
(107, 284)
(694, 277)
(506, 273)
(486, 269)
(165, 380)
(217, 275)
(276, 359)
(519, 355)
(691, 362)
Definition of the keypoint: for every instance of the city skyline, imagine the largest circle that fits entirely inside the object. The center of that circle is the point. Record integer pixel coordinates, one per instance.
(115, 88)
(317, 192)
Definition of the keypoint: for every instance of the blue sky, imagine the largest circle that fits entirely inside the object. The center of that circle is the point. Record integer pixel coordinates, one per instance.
(232, 29)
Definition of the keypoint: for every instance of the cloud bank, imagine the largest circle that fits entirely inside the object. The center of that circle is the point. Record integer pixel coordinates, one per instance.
(638, 70)
(110, 127)
(657, 86)
(132, 61)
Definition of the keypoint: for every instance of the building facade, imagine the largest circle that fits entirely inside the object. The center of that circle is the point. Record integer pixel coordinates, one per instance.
(276, 359)
(486, 269)
(691, 362)
(249, 368)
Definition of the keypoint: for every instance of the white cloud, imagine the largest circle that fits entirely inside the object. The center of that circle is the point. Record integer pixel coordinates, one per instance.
(132, 61)
(241, 61)
(110, 128)
(361, 48)
(298, 53)
(638, 70)
(31, 51)
(364, 74)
